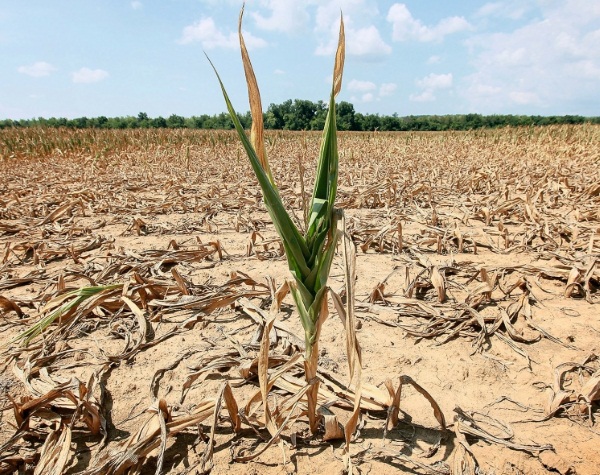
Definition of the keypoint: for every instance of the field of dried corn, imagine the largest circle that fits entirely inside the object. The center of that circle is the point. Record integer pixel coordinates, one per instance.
(150, 257)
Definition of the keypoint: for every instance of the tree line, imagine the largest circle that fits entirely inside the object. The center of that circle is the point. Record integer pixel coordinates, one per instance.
(307, 115)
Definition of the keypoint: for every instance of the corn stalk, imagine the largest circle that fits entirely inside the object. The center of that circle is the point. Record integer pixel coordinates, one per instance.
(309, 254)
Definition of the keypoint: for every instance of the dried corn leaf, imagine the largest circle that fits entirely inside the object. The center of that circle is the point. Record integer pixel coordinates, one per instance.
(463, 462)
(56, 453)
(8, 305)
(439, 283)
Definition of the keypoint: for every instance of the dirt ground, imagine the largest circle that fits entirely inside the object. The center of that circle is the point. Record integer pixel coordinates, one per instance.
(477, 258)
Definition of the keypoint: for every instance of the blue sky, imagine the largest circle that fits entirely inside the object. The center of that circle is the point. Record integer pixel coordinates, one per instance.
(119, 57)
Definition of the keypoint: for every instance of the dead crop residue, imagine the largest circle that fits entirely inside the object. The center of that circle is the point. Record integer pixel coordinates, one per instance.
(140, 274)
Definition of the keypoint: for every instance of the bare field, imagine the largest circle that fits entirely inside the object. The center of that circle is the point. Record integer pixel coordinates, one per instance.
(150, 255)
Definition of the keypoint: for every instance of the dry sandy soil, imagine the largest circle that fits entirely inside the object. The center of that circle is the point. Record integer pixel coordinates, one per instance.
(477, 278)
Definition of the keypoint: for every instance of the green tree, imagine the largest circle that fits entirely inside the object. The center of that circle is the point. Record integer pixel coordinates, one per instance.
(275, 118)
(346, 119)
(175, 121)
(143, 120)
(159, 123)
(318, 121)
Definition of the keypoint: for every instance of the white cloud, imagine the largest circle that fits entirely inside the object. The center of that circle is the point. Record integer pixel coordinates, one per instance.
(279, 71)
(368, 97)
(429, 84)
(435, 81)
(361, 86)
(522, 97)
(433, 59)
(425, 96)
(512, 9)
(447, 26)
(387, 89)
(206, 32)
(289, 16)
(328, 12)
(37, 70)
(365, 43)
(136, 5)
(363, 39)
(368, 91)
(490, 8)
(405, 27)
(87, 75)
(552, 61)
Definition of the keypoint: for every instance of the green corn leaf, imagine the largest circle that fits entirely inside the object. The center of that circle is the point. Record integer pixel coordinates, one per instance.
(309, 256)
(293, 241)
(78, 296)
(300, 300)
(327, 170)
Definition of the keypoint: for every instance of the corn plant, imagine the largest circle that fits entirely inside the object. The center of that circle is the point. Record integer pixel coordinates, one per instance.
(309, 254)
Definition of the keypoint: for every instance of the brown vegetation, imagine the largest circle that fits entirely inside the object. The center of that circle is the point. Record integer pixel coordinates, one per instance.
(160, 283)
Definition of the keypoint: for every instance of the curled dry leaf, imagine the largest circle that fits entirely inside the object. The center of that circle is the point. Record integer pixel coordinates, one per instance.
(439, 283)
(580, 400)
(333, 429)
(590, 391)
(463, 462)
(572, 282)
(8, 305)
